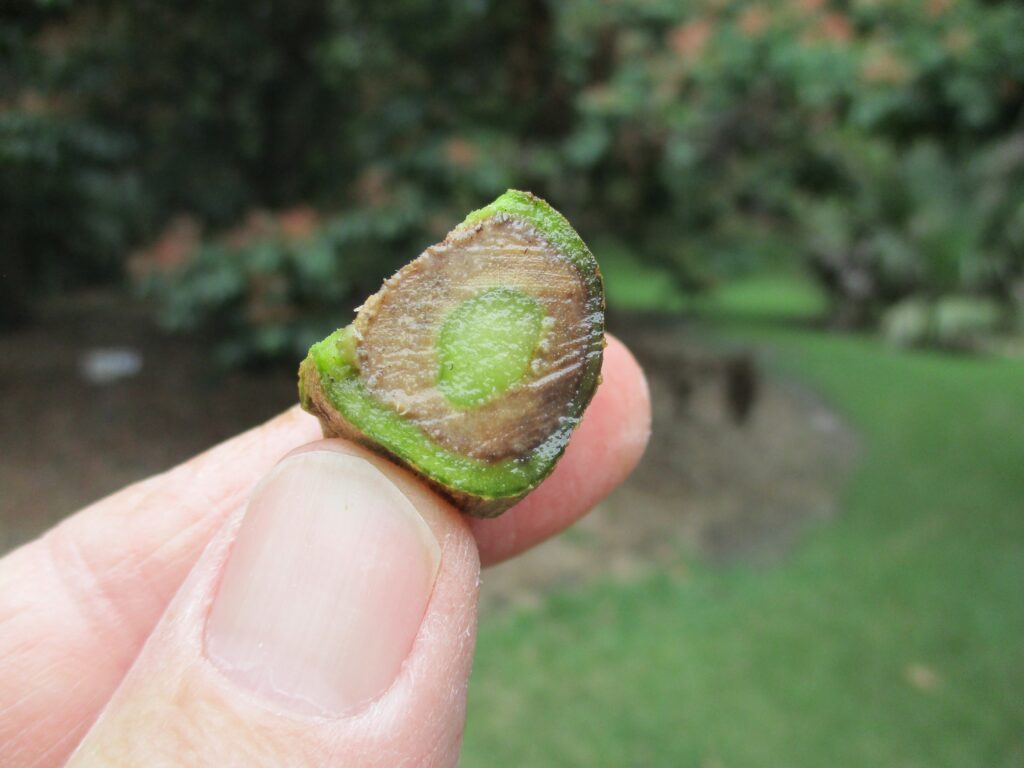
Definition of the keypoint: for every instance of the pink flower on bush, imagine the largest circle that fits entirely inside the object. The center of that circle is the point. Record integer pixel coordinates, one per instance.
(298, 223)
(689, 40)
(958, 40)
(257, 225)
(754, 20)
(936, 8)
(884, 67)
(169, 251)
(833, 28)
(836, 27)
(460, 153)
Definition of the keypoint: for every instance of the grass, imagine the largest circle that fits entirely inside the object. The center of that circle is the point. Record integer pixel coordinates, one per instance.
(893, 636)
(630, 284)
(635, 285)
(767, 297)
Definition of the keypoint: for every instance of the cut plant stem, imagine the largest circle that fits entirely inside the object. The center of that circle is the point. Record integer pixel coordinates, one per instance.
(473, 364)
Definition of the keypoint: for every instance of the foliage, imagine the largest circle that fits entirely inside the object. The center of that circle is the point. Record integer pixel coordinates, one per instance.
(66, 210)
(914, 222)
(271, 287)
(67, 198)
(703, 137)
(862, 137)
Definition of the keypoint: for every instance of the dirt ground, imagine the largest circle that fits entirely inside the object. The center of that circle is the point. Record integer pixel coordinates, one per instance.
(708, 484)
(65, 442)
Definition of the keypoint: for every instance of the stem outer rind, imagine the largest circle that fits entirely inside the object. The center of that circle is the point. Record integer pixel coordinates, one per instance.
(335, 355)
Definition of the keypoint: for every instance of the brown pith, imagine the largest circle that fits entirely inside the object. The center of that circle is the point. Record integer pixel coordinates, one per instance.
(397, 332)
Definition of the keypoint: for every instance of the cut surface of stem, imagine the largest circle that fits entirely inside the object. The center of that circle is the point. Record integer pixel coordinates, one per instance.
(473, 363)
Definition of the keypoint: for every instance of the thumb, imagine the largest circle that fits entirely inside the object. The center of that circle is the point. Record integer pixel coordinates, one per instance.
(330, 623)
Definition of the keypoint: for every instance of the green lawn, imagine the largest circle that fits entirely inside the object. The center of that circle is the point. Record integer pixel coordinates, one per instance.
(630, 284)
(893, 636)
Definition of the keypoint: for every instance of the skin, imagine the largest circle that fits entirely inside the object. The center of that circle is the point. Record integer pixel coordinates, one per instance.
(77, 605)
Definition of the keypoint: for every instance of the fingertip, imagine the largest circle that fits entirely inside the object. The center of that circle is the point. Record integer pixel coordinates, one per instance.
(334, 615)
(625, 406)
(604, 450)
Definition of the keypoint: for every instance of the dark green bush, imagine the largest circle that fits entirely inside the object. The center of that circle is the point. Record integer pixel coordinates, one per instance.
(875, 141)
(913, 221)
(69, 199)
(706, 136)
(67, 212)
(273, 286)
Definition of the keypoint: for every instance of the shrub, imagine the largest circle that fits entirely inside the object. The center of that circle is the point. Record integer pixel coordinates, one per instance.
(277, 283)
(862, 136)
(69, 202)
(707, 137)
(913, 221)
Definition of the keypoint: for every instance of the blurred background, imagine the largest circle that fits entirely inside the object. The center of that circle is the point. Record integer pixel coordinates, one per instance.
(810, 217)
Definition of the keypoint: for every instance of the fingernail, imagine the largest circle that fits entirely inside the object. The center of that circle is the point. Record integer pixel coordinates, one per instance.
(326, 586)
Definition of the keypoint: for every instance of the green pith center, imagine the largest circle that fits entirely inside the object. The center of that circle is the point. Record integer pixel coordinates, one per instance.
(486, 345)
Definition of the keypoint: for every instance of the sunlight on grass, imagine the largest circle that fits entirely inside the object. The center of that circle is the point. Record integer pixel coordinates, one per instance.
(778, 297)
(630, 284)
(634, 285)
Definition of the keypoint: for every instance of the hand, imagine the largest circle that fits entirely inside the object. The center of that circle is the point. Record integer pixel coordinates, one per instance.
(244, 609)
